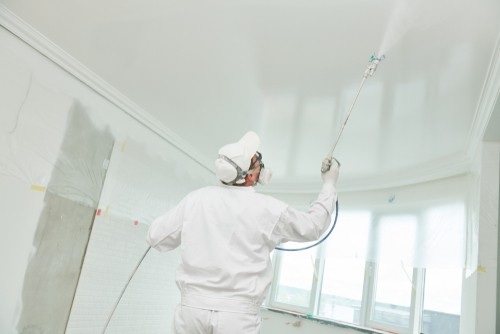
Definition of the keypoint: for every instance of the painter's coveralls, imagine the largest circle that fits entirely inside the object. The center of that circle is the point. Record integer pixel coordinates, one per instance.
(226, 234)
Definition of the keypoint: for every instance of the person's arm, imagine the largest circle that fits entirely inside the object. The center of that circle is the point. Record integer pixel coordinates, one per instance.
(295, 225)
(164, 234)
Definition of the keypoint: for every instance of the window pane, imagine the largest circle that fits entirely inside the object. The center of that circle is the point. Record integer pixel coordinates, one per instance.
(296, 277)
(342, 290)
(442, 295)
(342, 286)
(393, 238)
(393, 295)
(441, 237)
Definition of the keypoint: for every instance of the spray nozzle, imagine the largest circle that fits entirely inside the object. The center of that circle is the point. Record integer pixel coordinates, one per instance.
(372, 65)
(377, 59)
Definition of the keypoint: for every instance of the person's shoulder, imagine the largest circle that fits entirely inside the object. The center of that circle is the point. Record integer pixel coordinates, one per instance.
(210, 188)
(269, 198)
(196, 194)
(204, 190)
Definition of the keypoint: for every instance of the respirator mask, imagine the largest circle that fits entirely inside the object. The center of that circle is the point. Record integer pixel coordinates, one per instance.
(265, 173)
(230, 173)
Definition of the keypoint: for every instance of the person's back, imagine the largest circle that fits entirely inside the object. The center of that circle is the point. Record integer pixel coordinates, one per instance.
(226, 234)
(226, 242)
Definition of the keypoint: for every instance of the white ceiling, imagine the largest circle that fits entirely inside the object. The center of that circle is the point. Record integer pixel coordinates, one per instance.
(289, 70)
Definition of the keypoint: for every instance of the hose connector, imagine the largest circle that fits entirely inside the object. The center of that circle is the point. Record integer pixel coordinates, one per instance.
(372, 65)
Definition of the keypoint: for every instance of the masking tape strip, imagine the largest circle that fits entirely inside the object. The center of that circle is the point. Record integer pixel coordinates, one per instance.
(38, 188)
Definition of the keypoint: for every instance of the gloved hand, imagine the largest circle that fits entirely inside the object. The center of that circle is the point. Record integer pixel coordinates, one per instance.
(330, 171)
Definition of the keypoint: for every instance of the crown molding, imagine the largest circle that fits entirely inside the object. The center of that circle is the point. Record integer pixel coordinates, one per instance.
(450, 166)
(65, 61)
(486, 103)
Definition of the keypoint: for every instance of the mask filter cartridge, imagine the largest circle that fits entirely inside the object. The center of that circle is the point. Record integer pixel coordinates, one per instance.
(265, 176)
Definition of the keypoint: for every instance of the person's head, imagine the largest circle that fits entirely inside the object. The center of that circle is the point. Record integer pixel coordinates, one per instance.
(240, 163)
(253, 174)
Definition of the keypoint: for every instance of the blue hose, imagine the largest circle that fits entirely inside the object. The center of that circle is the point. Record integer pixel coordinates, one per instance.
(319, 241)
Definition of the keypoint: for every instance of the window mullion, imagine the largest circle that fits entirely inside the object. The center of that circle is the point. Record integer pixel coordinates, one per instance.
(318, 279)
(367, 297)
(417, 300)
(370, 274)
(277, 270)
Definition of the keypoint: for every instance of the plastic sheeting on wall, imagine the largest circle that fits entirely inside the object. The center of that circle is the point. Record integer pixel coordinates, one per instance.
(421, 225)
(56, 137)
(144, 182)
(30, 144)
(33, 141)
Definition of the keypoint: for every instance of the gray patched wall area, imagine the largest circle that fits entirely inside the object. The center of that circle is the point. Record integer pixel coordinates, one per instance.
(65, 225)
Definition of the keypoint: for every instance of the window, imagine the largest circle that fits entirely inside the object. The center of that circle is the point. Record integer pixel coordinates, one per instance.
(370, 272)
(344, 269)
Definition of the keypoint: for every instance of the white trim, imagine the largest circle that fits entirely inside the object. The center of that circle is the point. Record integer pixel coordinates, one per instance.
(418, 308)
(450, 166)
(48, 49)
(486, 104)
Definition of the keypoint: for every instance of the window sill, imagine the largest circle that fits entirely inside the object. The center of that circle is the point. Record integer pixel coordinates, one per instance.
(324, 321)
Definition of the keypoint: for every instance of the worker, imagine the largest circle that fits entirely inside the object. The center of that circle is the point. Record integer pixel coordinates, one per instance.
(226, 233)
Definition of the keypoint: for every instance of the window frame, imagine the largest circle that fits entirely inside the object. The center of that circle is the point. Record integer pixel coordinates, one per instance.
(368, 297)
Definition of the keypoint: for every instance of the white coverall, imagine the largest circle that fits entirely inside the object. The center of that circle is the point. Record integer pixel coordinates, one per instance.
(226, 234)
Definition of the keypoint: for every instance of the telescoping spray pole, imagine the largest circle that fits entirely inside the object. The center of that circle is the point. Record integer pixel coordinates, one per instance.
(327, 162)
(370, 69)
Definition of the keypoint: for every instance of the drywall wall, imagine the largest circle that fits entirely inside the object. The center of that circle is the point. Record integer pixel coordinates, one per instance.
(80, 179)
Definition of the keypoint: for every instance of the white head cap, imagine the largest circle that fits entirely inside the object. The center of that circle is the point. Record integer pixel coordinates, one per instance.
(240, 153)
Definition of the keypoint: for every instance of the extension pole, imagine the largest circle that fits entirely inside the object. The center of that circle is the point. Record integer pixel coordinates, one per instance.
(330, 154)
(125, 288)
(370, 69)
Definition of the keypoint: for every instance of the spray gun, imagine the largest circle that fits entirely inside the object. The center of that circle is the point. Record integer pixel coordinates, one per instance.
(372, 65)
(370, 69)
